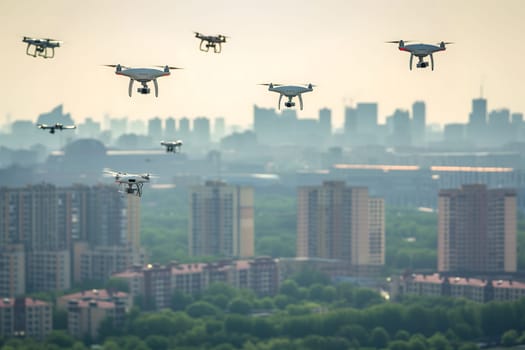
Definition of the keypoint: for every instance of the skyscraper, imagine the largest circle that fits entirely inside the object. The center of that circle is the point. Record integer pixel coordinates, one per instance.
(339, 222)
(155, 129)
(477, 230)
(201, 130)
(169, 129)
(366, 118)
(418, 122)
(221, 220)
(477, 122)
(325, 122)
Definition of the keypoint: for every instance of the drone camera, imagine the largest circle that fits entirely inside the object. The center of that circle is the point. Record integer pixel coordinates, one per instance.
(422, 65)
(289, 104)
(143, 90)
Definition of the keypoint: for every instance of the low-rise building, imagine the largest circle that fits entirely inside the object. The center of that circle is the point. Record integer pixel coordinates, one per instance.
(25, 317)
(476, 289)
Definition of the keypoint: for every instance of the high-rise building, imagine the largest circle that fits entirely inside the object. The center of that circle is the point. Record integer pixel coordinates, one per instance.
(221, 220)
(219, 129)
(350, 121)
(155, 129)
(201, 131)
(477, 230)
(366, 118)
(418, 122)
(325, 122)
(401, 132)
(339, 222)
(184, 128)
(477, 122)
(170, 129)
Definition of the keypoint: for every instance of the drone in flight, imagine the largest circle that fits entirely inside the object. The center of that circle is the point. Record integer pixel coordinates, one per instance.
(172, 146)
(131, 183)
(208, 41)
(421, 51)
(142, 75)
(290, 91)
(42, 47)
(56, 126)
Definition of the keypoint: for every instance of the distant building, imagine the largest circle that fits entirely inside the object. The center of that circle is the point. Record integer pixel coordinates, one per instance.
(155, 129)
(479, 290)
(221, 220)
(25, 317)
(339, 222)
(325, 123)
(156, 283)
(219, 129)
(170, 129)
(418, 123)
(477, 230)
(84, 318)
(477, 123)
(201, 131)
(12, 273)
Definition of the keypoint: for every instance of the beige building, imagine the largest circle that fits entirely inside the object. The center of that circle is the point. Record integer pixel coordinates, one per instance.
(221, 220)
(339, 222)
(13, 271)
(477, 229)
(25, 317)
(84, 317)
(479, 290)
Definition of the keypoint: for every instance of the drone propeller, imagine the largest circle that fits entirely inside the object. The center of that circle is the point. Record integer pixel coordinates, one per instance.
(147, 176)
(268, 84)
(170, 67)
(447, 42)
(308, 84)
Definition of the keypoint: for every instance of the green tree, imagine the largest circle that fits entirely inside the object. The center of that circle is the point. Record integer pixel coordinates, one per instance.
(379, 338)
(201, 309)
(399, 345)
(290, 288)
(240, 306)
(439, 342)
(509, 338)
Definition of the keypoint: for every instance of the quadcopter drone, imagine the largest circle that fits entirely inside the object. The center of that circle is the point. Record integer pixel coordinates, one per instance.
(142, 75)
(214, 41)
(56, 126)
(421, 51)
(172, 146)
(41, 47)
(132, 183)
(290, 91)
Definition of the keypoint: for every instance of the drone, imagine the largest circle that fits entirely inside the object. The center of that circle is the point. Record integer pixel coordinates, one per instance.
(41, 47)
(421, 51)
(214, 41)
(172, 146)
(290, 91)
(142, 75)
(56, 126)
(131, 183)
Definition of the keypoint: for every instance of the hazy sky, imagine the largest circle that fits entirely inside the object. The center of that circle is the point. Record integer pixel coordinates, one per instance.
(336, 44)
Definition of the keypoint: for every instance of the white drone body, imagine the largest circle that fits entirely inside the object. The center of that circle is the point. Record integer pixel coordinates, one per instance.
(421, 51)
(56, 126)
(290, 91)
(172, 146)
(142, 75)
(208, 41)
(42, 47)
(132, 183)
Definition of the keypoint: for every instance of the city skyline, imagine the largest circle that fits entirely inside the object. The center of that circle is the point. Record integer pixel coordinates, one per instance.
(325, 43)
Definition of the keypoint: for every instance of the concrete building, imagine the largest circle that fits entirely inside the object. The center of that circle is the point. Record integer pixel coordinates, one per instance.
(477, 230)
(221, 220)
(339, 222)
(13, 271)
(157, 283)
(479, 290)
(84, 317)
(25, 317)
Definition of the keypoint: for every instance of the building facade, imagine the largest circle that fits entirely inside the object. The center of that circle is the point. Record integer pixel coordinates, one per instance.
(221, 220)
(25, 317)
(477, 230)
(339, 222)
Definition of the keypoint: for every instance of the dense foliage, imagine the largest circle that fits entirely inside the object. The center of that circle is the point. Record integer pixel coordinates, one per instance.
(314, 316)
